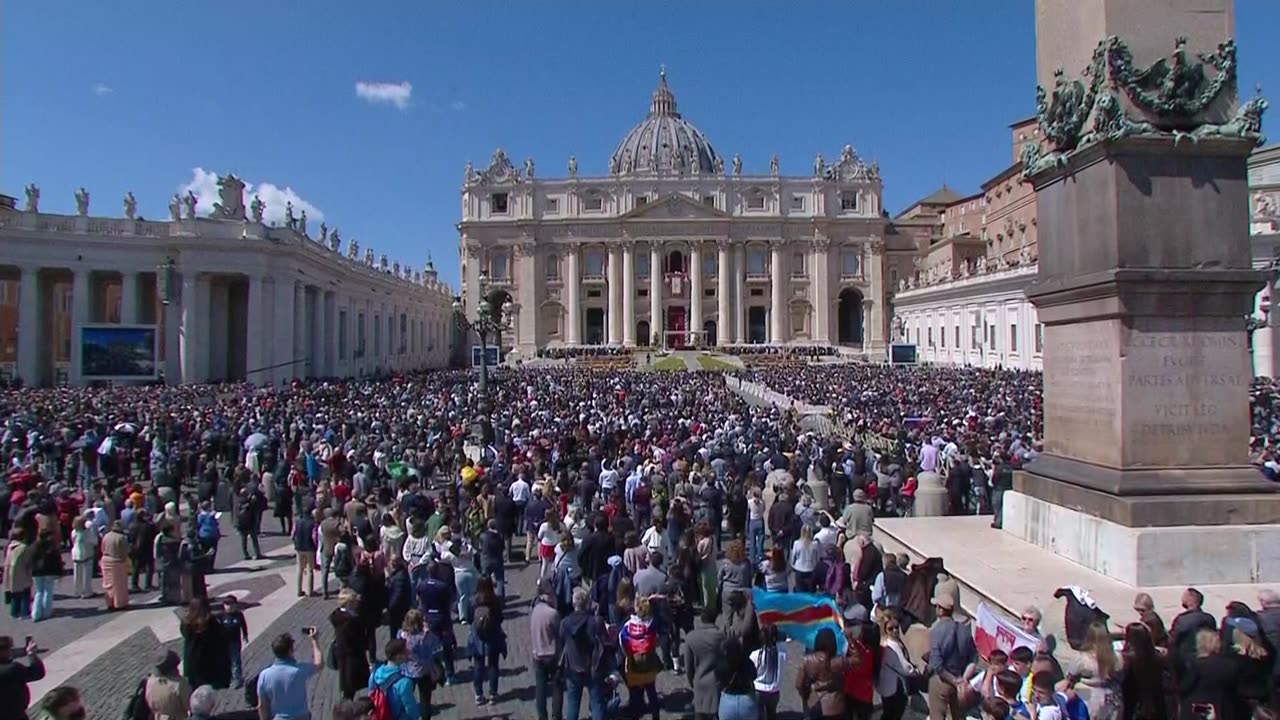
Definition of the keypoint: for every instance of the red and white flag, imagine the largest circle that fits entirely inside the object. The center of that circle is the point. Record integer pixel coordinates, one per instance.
(992, 631)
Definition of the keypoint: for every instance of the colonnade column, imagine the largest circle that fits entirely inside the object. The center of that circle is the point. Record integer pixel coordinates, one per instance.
(629, 293)
(128, 297)
(282, 331)
(725, 323)
(876, 279)
(739, 293)
(192, 341)
(819, 285)
(329, 350)
(255, 336)
(80, 314)
(695, 289)
(777, 294)
(527, 297)
(574, 280)
(615, 294)
(316, 311)
(655, 294)
(29, 329)
(299, 369)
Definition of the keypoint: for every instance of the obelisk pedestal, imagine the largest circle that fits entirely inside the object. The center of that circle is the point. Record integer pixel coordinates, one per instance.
(1144, 284)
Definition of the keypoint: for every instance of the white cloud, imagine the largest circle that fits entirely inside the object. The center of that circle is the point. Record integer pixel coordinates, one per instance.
(390, 93)
(204, 184)
(102, 89)
(458, 105)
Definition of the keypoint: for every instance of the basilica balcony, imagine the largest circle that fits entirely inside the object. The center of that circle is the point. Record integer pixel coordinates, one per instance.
(677, 284)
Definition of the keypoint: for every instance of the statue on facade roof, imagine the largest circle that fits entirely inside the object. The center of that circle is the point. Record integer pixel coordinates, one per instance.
(257, 207)
(573, 166)
(335, 244)
(1024, 255)
(382, 262)
(302, 223)
(190, 202)
(33, 197)
(230, 205)
(982, 264)
(82, 201)
(737, 164)
(528, 168)
(175, 207)
(368, 257)
(324, 233)
(628, 164)
(819, 166)
(677, 162)
(773, 165)
(614, 165)
(468, 173)
(289, 219)
(395, 268)
(353, 249)
(719, 165)
(130, 205)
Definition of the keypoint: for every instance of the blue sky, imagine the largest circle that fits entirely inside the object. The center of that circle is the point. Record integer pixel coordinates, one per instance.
(133, 95)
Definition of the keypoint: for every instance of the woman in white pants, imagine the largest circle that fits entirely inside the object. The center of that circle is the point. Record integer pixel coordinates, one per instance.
(84, 552)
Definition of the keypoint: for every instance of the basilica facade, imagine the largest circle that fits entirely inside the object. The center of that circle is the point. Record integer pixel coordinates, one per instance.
(677, 246)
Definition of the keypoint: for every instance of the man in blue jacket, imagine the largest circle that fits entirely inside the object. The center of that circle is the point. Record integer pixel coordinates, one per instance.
(395, 684)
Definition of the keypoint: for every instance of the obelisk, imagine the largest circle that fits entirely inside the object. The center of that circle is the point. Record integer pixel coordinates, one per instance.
(1144, 284)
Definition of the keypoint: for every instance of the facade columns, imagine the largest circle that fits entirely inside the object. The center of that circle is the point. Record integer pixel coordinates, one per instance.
(695, 289)
(329, 349)
(30, 336)
(80, 314)
(628, 318)
(282, 332)
(299, 369)
(527, 297)
(866, 324)
(876, 314)
(193, 335)
(316, 313)
(255, 335)
(725, 323)
(128, 297)
(615, 295)
(819, 287)
(777, 295)
(739, 293)
(655, 295)
(573, 332)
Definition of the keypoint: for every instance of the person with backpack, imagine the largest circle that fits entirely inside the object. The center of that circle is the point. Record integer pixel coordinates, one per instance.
(488, 641)
(305, 546)
(166, 694)
(493, 557)
(638, 639)
(391, 690)
(207, 531)
(583, 660)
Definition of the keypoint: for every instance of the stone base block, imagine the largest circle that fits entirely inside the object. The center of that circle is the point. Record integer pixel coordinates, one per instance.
(1147, 556)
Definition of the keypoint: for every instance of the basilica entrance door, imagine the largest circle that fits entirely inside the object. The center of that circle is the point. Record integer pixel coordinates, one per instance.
(595, 326)
(757, 325)
(676, 328)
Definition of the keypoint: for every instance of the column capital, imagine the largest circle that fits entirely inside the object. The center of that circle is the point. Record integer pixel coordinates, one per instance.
(821, 243)
(725, 244)
(628, 245)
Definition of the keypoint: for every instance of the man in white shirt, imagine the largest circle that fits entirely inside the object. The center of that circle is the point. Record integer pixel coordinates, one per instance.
(827, 533)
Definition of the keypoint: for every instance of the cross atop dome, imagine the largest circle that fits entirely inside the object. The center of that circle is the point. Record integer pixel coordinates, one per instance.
(663, 101)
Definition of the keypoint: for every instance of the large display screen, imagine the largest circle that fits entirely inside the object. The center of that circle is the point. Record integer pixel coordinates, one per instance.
(902, 354)
(119, 352)
(491, 356)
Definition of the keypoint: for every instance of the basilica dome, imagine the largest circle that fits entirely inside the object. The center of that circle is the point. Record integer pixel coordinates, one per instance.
(664, 142)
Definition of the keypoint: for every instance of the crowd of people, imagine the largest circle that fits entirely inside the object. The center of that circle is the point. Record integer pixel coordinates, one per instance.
(653, 505)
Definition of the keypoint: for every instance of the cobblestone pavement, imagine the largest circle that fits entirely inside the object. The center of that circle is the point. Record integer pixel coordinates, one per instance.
(105, 655)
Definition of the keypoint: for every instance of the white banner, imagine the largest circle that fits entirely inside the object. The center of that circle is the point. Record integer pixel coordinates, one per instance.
(990, 631)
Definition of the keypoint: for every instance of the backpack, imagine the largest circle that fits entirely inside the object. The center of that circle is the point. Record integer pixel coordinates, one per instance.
(207, 527)
(380, 698)
(137, 709)
(342, 561)
(483, 622)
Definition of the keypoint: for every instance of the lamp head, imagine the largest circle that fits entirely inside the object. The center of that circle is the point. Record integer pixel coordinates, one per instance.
(457, 304)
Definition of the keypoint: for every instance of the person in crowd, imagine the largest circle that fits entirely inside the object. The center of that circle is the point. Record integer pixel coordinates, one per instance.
(434, 598)
(399, 593)
(175, 581)
(492, 558)
(736, 675)
(18, 580)
(549, 532)
(61, 703)
(736, 572)
(487, 643)
(203, 703)
(282, 685)
(206, 656)
(235, 629)
(142, 551)
(1209, 688)
(395, 684)
(951, 651)
(774, 571)
(544, 635)
(46, 568)
(1147, 680)
(84, 551)
(249, 511)
(331, 532)
(350, 644)
(820, 679)
(1096, 668)
(583, 660)
(702, 654)
(897, 675)
(423, 664)
(15, 677)
(1182, 633)
(115, 568)
(638, 640)
(768, 660)
(303, 533)
(167, 694)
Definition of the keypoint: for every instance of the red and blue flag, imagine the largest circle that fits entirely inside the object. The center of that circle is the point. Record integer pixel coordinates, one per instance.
(799, 616)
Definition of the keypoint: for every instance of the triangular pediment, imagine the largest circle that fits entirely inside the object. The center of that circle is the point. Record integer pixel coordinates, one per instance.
(676, 207)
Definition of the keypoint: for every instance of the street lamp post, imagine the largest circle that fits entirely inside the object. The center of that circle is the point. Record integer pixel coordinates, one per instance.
(490, 321)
